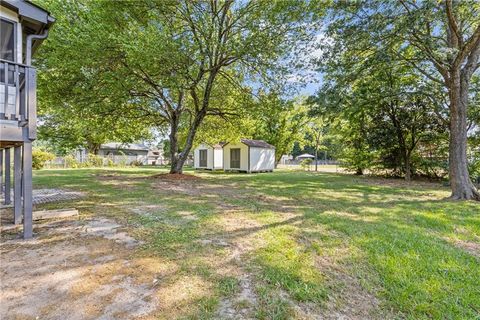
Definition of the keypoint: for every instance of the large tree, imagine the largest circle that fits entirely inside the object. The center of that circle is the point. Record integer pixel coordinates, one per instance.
(168, 57)
(279, 121)
(440, 39)
(76, 108)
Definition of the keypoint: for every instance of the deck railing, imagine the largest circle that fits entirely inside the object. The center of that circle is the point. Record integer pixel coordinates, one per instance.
(18, 95)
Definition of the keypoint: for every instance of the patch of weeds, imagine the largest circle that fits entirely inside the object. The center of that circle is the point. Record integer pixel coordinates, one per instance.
(205, 309)
(271, 305)
(286, 264)
(228, 286)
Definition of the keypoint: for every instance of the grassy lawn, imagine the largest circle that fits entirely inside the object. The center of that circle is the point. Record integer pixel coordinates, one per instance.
(293, 244)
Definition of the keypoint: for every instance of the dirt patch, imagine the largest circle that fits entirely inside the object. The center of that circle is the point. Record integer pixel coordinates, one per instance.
(117, 176)
(83, 269)
(239, 238)
(242, 305)
(395, 183)
(472, 248)
(175, 176)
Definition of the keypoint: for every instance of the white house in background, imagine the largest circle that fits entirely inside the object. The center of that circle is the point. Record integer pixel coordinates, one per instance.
(124, 152)
(249, 156)
(155, 157)
(118, 153)
(286, 159)
(208, 157)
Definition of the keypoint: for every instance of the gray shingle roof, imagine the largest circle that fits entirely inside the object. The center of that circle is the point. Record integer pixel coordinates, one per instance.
(257, 143)
(124, 146)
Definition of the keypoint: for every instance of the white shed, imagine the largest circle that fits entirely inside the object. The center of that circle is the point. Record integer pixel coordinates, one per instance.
(209, 157)
(249, 156)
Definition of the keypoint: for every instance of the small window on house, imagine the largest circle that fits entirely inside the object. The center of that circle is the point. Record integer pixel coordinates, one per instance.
(235, 158)
(203, 158)
(7, 40)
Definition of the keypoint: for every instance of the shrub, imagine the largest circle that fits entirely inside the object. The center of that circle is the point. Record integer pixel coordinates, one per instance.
(110, 162)
(71, 162)
(306, 164)
(122, 162)
(40, 157)
(136, 163)
(474, 170)
(94, 161)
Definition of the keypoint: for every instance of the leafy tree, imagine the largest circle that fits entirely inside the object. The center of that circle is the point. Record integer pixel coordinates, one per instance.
(316, 130)
(76, 108)
(280, 122)
(441, 40)
(166, 58)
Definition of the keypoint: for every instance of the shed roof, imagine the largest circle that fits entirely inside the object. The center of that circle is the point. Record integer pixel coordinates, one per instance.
(257, 143)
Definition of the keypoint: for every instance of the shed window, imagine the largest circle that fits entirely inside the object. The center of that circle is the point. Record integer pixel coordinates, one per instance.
(203, 158)
(7, 40)
(235, 158)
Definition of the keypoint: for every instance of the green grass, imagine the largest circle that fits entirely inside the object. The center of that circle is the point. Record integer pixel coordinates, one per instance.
(398, 241)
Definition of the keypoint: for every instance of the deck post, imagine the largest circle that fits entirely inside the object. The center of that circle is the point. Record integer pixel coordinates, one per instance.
(8, 198)
(17, 191)
(27, 190)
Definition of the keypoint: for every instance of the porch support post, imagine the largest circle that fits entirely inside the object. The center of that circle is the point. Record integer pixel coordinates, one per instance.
(27, 191)
(8, 198)
(17, 191)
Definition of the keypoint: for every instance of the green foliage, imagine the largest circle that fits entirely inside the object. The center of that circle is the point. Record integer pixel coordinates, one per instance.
(77, 105)
(413, 65)
(474, 166)
(136, 163)
(94, 161)
(110, 163)
(40, 157)
(386, 114)
(169, 64)
(306, 163)
(280, 122)
(71, 162)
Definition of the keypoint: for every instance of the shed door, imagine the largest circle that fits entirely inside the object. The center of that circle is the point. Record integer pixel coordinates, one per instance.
(203, 158)
(235, 158)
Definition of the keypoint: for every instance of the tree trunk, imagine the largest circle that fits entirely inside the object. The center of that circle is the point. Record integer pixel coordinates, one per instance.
(461, 185)
(175, 166)
(93, 148)
(178, 159)
(359, 172)
(408, 168)
(316, 158)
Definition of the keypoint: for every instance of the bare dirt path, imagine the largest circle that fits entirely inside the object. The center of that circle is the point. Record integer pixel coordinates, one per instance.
(83, 269)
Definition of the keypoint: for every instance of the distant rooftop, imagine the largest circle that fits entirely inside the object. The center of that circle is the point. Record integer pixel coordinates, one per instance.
(124, 146)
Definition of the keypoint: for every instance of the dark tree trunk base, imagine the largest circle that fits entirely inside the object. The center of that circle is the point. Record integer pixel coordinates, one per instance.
(471, 194)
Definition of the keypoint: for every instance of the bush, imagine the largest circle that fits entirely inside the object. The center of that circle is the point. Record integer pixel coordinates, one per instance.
(306, 164)
(71, 162)
(40, 157)
(136, 163)
(110, 162)
(94, 161)
(474, 170)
